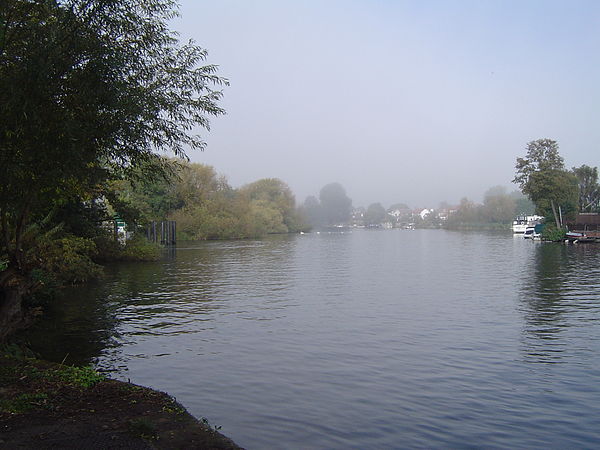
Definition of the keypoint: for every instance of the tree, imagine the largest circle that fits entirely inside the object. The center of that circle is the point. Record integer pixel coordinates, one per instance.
(542, 155)
(466, 213)
(523, 205)
(208, 208)
(498, 206)
(554, 193)
(273, 194)
(336, 205)
(311, 211)
(542, 177)
(376, 214)
(90, 90)
(589, 190)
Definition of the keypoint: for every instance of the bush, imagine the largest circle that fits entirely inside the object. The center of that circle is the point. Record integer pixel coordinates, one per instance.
(137, 248)
(140, 249)
(68, 260)
(551, 233)
(109, 249)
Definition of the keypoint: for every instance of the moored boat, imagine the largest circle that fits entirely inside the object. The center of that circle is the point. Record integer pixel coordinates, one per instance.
(521, 223)
(534, 232)
(585, 228)
(582, 236)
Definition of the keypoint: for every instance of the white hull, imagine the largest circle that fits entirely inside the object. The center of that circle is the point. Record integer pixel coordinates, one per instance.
(521, 223)
(519, 229)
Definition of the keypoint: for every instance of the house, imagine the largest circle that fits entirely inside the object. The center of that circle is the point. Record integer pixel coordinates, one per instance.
(399, 213)
(424, 213)
(585, 222)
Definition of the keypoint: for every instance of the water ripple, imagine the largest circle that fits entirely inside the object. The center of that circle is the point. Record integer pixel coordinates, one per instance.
(381, 339)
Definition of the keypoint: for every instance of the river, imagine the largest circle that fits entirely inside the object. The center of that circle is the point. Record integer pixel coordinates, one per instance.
(363, 339)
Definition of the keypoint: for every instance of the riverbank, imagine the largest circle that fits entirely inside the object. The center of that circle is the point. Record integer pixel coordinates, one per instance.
(47, 405)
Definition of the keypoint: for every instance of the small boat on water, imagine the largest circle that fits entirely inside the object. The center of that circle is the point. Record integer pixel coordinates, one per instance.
(585, 228)
(582, 236)
(521, 223)
(534, 232)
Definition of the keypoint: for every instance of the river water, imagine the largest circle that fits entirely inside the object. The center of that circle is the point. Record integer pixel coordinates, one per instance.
(364, 339)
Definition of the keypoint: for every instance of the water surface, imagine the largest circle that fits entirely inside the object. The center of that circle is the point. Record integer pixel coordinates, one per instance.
(368, 339)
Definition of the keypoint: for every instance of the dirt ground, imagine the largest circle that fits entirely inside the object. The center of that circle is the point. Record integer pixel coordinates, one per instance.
(45, 405)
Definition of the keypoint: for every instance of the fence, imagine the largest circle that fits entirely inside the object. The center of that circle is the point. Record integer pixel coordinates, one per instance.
(162, 232)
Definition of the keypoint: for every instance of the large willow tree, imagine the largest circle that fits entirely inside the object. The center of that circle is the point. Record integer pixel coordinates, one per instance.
(88, 89)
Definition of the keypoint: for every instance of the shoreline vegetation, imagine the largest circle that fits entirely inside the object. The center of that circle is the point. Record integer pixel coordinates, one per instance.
(85, 127)
(49, 405)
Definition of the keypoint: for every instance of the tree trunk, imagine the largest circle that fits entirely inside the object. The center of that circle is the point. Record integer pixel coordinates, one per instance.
(13, 316)
(555, 214)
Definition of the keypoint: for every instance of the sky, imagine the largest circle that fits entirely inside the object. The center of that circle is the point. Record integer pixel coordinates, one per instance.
(415, 101)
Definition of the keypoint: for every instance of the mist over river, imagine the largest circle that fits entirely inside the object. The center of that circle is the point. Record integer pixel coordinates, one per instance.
(362, 339)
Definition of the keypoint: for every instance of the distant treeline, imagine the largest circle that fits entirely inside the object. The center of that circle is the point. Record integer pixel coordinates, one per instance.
(499, 208)
(205, 206)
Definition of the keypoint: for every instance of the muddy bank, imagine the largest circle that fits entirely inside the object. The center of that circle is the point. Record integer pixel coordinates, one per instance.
(45, 405)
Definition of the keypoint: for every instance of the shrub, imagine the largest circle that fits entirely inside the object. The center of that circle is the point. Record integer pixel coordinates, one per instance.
(140, 249)
(109, 249)
(68, 260)
(551, 233)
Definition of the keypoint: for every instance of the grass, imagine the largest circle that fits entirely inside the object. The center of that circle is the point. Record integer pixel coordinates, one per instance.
(143, 428)
(82, 377)
(24, 402)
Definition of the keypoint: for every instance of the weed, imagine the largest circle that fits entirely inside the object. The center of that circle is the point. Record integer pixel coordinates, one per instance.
(173, 407)
(83, 377)
(144, 428)
(23, 403)
(16, 351)
(205, 421)
(20, 373)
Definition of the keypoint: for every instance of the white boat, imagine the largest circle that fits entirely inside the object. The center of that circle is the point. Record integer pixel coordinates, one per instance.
(534, 232)
(521, 223)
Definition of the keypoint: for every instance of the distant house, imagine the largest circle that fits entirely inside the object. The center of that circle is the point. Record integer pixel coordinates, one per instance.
(358, 217)
(425, 212)
(399, 213)
(445, 213)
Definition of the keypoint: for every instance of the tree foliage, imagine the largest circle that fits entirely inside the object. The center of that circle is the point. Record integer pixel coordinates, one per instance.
(375, 214)
(589, 190)
(498, 210)
(205, 206)
(336, 206)
(333, 207)
(542, 155)
(91, 90)
(498, 206)
(542, 177)
(311, 211)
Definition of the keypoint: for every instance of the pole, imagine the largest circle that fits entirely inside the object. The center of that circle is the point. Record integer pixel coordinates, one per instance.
(560, 214)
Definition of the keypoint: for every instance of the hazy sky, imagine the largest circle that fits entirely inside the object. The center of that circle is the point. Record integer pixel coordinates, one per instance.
(400, 101)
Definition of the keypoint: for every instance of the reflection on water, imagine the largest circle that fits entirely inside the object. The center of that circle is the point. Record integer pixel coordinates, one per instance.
(369, 339)
(561, 295)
